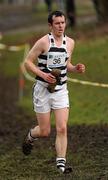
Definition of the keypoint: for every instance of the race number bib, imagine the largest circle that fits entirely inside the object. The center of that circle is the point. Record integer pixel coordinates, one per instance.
(56, 59)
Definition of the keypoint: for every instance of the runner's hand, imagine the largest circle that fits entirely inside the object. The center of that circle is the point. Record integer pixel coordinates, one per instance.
(80, 68)
(49, 78)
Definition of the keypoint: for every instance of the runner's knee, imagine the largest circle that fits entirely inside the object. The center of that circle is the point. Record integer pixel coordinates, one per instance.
(62, 129)
(45, 132)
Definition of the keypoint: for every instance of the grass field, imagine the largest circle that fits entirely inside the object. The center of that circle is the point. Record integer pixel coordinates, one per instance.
(88, 120)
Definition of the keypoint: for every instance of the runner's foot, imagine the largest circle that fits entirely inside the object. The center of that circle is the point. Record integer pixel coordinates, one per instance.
(67, 170)
(27, 146)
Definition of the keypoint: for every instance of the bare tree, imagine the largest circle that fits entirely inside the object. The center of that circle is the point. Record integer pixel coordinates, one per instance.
(101, 7)
(49, 5)
(71, 12)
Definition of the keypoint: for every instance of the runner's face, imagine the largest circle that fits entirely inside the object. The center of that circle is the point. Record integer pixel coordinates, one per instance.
(58, 25)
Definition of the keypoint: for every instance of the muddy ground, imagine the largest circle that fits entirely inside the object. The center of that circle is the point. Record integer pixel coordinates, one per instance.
(91, 141)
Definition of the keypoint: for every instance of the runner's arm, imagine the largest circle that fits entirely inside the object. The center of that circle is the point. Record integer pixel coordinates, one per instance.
(31, 61)
(78, 68)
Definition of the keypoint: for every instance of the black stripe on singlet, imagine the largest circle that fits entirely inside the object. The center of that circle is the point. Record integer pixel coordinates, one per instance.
(44, 57)
(64, 42)
(41, 65)
(40, 79)
(44, 70)
(55, 49)
(63, 75)
(52, 40)
(62, 68)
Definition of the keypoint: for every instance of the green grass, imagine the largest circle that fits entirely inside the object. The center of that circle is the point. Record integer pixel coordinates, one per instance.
(93, 54)
(88, 103)
(11, 62)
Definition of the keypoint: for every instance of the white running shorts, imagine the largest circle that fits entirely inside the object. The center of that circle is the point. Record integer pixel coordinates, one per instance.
(44, 101)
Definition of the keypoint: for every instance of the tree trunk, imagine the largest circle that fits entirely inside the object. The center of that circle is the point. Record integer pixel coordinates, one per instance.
(71, 12)
(101, 7)
(104, 9)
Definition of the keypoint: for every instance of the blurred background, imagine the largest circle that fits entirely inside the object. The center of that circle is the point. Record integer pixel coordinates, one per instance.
(77, 11)
(22, 22)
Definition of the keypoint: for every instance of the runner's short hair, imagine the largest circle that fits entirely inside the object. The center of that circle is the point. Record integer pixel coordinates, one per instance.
(56, 14)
